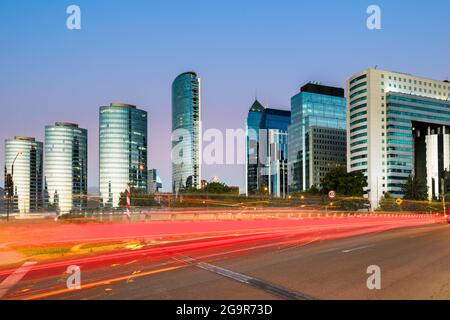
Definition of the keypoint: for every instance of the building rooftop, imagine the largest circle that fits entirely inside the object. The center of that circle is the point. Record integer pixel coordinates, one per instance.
(66, 124)
(24, 138)
(279, 112)
(192, 73)
(122, 105)
(256, 107)
(321, 89)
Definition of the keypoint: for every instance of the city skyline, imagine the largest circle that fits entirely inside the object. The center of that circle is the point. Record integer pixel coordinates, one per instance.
(194, 154)
(61, 85)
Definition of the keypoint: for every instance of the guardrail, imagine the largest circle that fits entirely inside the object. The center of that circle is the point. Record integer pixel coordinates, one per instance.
(233, 215)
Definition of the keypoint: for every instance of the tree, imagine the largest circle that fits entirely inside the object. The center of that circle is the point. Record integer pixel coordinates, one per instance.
(415, 189)
(344, 183)
(139, 198)
(214, 188)
(313, 190)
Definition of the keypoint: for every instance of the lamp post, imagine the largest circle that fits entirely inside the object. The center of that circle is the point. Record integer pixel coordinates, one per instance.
(11, 185)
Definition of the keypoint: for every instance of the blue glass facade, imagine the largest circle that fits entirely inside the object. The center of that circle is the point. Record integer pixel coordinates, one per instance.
(417, 140)
(273, 152)
(123, 151)
(66, 159)
(252, 147)
(186, 132)
(317, 138)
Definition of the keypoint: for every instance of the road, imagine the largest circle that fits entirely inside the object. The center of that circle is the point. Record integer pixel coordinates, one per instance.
(414, 264)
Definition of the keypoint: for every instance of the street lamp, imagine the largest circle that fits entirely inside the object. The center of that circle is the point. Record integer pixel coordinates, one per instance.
(11, 185)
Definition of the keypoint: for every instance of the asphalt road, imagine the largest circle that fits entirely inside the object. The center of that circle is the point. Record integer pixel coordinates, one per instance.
(414, 262)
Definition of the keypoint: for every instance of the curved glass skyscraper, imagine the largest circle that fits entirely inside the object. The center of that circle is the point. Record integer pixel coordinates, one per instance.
(186, 131)
(65, 181)
(23, 161)
(123, 151)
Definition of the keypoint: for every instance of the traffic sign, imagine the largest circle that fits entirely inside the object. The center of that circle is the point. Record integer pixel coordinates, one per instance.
(398, 201)
(332, 194)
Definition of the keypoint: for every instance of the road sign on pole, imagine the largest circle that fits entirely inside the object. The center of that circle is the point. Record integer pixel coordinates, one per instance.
(332, 194)
(399, 201)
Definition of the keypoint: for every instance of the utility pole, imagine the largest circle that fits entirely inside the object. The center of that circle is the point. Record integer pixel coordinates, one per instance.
(9, 187)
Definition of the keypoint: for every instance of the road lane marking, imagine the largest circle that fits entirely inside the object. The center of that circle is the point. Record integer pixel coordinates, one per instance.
(242, 278)
(358, 248)
(15, 277)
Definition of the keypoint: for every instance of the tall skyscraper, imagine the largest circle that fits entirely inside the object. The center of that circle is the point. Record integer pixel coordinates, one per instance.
(317, 135)
(399, 125)
(273, 152)
(66, 161)
(123, 151)
(154, 181)
(186, 132)
(24, 162)
(252, 127)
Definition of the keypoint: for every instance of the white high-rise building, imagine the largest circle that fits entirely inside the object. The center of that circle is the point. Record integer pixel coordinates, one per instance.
(65, 167)
(398, 125)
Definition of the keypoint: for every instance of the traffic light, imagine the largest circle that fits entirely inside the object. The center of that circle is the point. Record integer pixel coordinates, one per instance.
(9, 184)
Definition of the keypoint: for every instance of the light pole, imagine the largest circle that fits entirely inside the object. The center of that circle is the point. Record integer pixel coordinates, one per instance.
(11, 186)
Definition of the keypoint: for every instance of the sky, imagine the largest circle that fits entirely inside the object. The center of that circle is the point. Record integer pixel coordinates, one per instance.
(130, 51)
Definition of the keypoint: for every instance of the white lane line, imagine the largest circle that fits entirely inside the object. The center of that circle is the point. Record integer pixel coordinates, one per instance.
(358, 248)
(260, 284)
(15, 277)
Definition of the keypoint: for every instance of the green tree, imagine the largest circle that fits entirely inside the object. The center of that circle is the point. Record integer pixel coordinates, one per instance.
(344, 183)
(216, 187)
(415, 189)
(139, 198)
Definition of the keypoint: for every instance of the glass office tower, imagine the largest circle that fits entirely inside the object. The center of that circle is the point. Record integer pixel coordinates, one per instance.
(317, 135)
(273, 152)
(123, 151)
(154, 181)
(24, 162)
(399, 125)
(66, 162)
(186, 132)
(252, 147)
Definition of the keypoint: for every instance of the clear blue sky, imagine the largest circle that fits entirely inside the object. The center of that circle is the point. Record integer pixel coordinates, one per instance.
(130, 51)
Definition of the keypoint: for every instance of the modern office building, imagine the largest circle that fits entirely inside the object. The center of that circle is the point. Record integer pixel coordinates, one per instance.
(317, 135)
(273, 152)
(123, 151)
(398, 125)
(252, 127)
(154, 181)
(186, 132)
(24, 162)
(66, 161)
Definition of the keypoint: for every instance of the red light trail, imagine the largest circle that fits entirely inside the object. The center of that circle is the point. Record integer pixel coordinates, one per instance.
(204, 240)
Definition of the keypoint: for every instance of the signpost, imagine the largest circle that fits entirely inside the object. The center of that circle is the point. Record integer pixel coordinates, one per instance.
(332, 194)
